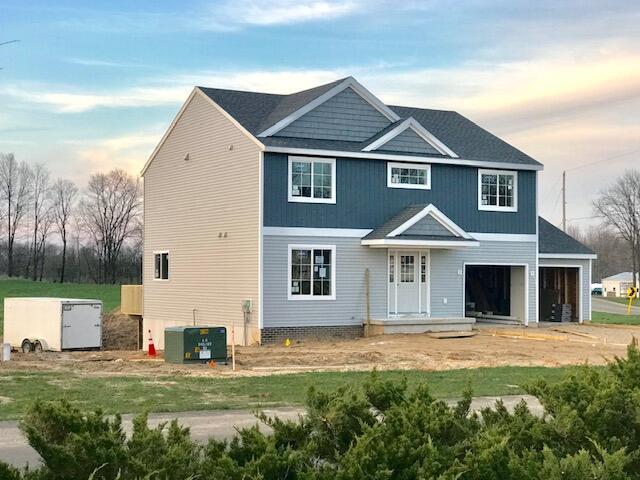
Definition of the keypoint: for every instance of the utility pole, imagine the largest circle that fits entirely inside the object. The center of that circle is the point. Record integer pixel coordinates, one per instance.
(564, 201)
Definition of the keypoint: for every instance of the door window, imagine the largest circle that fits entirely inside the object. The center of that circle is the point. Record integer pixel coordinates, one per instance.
(407, 268)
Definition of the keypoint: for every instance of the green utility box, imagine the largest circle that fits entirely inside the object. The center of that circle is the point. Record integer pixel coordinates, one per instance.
(195, 344)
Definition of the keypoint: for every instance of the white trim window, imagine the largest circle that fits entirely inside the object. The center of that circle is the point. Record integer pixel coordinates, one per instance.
(408, 175)
(312, 272)
(161, 265)
(312, 179)
(498, 190)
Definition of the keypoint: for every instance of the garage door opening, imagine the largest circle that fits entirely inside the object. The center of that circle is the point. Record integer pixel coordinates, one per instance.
(495, 293)
(559, 294)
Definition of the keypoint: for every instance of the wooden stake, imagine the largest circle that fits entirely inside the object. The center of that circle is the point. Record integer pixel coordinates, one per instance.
(368, 300)
(233, 347)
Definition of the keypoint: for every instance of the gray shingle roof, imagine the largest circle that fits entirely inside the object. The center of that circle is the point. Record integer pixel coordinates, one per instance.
(553, 240)
(398, 219)
(258, 111)
(620, 277)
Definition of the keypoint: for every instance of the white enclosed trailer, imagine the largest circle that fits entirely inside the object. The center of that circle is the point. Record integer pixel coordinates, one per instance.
(52, 323)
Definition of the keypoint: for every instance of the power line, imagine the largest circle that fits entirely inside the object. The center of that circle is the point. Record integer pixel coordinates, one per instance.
(604, 159)
(7, 43)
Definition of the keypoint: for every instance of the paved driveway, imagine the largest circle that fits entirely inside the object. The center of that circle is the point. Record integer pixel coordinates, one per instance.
(15, 450)
(599, 304)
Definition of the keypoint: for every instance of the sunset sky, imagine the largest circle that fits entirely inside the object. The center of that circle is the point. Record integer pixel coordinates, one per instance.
(93, 85)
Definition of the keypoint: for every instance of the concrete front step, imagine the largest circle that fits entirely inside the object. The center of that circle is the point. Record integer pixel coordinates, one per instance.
(410, 324)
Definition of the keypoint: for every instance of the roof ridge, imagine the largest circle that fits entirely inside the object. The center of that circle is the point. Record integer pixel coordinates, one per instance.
(240, 91)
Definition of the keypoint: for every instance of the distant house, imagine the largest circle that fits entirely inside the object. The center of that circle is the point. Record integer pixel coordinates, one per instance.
(321, 211)
(618, 284)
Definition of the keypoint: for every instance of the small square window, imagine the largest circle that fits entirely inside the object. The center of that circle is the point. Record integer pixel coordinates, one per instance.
(497, 190)
(311, 180)
(311, 272)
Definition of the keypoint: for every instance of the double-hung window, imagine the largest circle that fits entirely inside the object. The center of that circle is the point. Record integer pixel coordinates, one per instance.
(161, 265)
(312, 180)
(312, 272)
(408, 175)
(498, 190)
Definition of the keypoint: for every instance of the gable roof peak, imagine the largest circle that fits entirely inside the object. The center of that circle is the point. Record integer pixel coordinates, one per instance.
(317, 96)
(413, 124)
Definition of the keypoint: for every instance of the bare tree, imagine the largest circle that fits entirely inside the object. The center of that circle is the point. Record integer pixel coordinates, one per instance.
(109, 216)
(619, 207)
(15, 188)
(40, 213)
(47, 220)
(63, 193)
(610, 248)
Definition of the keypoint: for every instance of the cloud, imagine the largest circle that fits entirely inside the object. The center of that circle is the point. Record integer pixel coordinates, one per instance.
(222, 16)
(127, 151)
(68, 101)
(93, 62)
(235, 14)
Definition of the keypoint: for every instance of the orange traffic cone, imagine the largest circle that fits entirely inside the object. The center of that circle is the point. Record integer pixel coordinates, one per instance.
(152, 347)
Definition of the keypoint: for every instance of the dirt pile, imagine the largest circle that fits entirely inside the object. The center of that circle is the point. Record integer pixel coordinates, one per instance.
(120, 331)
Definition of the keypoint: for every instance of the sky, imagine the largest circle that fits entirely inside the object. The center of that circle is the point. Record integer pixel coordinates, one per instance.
(91, 86)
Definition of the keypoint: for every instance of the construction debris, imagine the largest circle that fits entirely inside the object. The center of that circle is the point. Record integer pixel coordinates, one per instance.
(442, 335)
(561, 312)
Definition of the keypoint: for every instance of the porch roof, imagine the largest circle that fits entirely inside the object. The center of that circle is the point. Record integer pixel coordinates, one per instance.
(419, 226)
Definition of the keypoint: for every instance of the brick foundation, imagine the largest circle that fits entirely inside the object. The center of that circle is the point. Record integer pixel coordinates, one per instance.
(278, 334)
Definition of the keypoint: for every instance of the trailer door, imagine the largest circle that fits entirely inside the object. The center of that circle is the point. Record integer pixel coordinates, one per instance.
(81, 326)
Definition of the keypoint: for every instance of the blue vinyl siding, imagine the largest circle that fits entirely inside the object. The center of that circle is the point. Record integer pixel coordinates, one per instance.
(428, 226)
(363, 199)
(346, 116)
(410, 142)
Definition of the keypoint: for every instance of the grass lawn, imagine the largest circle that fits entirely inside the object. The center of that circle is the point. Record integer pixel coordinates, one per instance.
(179, 393)
(19, 287)
(614, 318)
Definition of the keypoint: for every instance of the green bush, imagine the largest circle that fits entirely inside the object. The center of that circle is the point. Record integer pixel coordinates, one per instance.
(590, 430)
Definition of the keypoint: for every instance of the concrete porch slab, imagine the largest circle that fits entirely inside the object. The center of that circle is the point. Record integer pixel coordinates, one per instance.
(417, 324)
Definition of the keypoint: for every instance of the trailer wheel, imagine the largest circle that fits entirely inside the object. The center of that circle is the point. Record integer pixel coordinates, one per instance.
(27, 346)
(37, 347)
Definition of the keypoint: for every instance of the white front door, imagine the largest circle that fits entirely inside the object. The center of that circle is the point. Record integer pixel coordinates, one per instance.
(408, 282)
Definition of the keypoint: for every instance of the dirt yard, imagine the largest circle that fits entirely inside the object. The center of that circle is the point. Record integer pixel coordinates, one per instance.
(550, 346)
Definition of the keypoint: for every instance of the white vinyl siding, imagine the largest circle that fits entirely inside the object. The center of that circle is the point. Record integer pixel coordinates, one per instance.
(498, 190)
(196, 210)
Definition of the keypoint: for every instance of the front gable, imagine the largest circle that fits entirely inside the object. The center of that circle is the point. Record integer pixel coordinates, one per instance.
(411, 137)
(429, 226)
(419, 226)
(345, 116)
(410, 142)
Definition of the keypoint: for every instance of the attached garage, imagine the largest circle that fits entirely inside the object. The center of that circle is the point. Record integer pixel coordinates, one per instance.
(559, 290)
(496, 293)
(564, 276)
